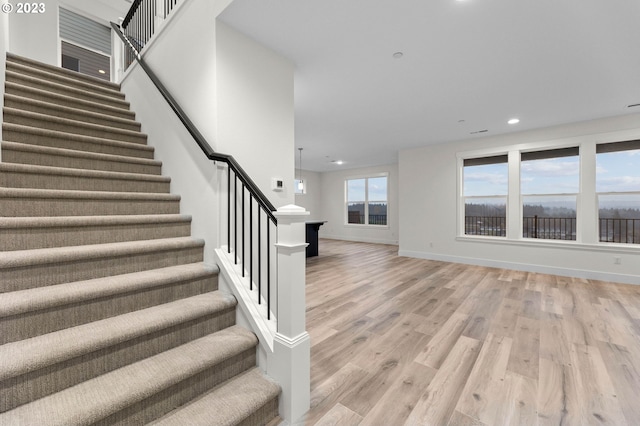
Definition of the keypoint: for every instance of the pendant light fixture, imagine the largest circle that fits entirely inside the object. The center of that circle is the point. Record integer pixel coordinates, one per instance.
(300, 181)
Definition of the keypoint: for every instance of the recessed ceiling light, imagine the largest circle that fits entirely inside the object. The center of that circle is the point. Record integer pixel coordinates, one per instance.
(514, 121)
(398, 55)
(102, 71)
(338, 162)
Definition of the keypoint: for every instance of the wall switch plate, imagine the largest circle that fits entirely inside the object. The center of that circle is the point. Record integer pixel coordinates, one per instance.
(277, 184)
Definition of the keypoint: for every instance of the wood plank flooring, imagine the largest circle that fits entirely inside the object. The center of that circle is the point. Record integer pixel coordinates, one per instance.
(401, 341)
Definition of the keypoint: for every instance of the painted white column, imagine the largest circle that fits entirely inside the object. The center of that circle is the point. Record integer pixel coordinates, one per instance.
(514, 201)
(291, 365)
(117, 57)
(159, 18)
(587, 221)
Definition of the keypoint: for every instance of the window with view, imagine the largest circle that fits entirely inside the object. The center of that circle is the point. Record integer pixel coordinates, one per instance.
(618, 191)
(549, 182)
(367, 200)
(485, 187)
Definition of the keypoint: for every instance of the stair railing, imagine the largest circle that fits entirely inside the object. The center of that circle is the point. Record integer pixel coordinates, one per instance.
(249, 249)
(288, 356)
(141, 21)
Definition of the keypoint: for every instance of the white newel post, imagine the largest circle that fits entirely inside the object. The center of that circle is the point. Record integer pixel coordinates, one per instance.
(291, 365)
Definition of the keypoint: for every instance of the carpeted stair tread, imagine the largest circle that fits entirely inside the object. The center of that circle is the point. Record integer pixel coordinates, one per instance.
(14, 59)
(52, 138)
(61, 111)
(28, 355)
(65, 79)
(48, 122)
(109, 313)
(33, 93)
(26, 202)
(68, 80)
(47, 177)
(88, 221)
(229, 404)
(57, 80)
(37, 299)
(95, 399)
(113, 99)
(57, 255)
(69, 158)
(24, 269)
(84, 195)
(26, 233)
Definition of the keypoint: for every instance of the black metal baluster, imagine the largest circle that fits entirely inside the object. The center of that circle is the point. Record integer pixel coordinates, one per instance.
(259, 258)
(228, 209)
(243, 228)
(235, 217)
(268, 269)
(250, 242)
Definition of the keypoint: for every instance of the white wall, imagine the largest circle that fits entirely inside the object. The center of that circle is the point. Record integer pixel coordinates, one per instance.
(255, 120)
(311, 200)
(35, 35)
(185, 57)
(333, 207)
(429, 208)
(95, 10)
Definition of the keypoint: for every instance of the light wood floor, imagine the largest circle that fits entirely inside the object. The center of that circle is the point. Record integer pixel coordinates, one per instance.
(406, 341)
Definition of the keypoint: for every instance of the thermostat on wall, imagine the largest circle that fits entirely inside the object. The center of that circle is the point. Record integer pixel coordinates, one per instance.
(277, 184)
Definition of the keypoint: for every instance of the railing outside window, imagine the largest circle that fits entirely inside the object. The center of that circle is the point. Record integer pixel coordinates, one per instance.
(494, 226)
(626, 231)
(549, 228)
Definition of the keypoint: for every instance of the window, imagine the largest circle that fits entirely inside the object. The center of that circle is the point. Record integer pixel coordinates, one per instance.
(367, 200)
(618, 191)
(549, 182)
(485, 187)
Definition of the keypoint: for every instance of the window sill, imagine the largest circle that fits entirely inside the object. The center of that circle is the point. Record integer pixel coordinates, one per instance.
(570, 245)
(361, 226)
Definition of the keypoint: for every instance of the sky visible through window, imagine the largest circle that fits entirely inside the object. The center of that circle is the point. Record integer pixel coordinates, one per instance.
(377, 189)
(616, 172)
(489, 179)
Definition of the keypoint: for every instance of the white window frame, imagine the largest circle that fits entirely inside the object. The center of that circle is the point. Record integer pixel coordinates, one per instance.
(566, 194)
(632, 147)
(366, 200)
(464, 198)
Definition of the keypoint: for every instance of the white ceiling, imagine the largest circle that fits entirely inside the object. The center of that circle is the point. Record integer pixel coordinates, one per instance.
(101, 10)
(546, 62)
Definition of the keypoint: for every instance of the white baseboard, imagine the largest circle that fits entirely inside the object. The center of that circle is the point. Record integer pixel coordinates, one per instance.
(542, 269)
(360, 240)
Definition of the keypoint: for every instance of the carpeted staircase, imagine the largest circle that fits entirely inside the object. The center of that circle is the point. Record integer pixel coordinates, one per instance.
(107, 313)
